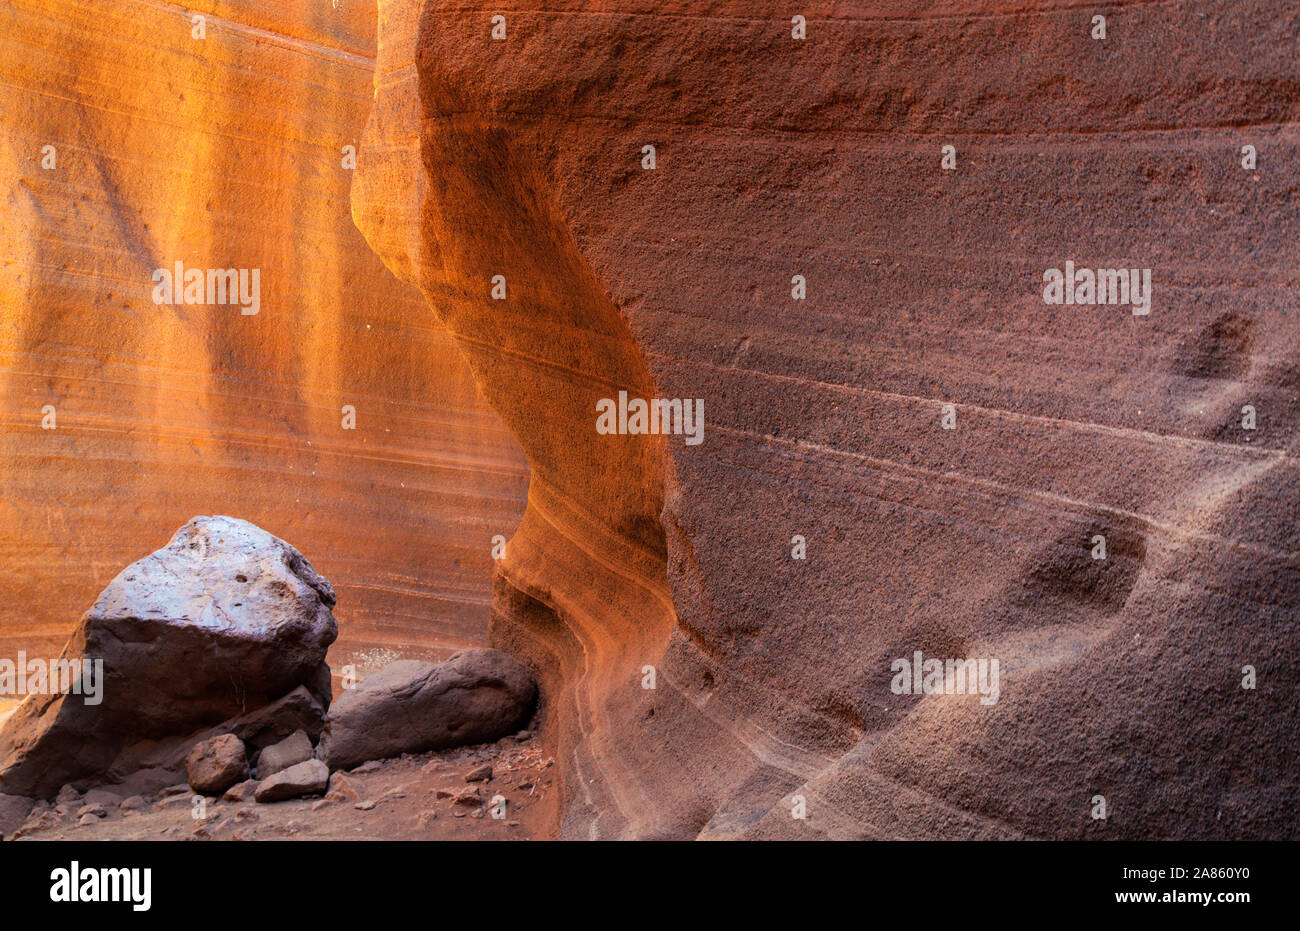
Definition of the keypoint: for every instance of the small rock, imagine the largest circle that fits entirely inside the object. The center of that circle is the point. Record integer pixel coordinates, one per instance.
(470, 798)
(132, 803)
(513, 824)
(326, 802)
(179, 789)
(458, 813)
(524, 735)
(92, 811)
(14, 810)
(214, 765)
(444, 793)
(480, 773)
(364, 806)
(109, 800)
(247, 814)
(342, 789)
(476, 813)
(294, 749)
(148, 782)
(37, 821)
(173, 801)
(370, 766)
(86, 820)
(240, 791)
(309, 777)
(67, 795)
(427, 816)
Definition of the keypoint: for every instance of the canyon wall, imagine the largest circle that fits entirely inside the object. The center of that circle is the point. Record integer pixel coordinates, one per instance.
(942, 447)
(225, 151)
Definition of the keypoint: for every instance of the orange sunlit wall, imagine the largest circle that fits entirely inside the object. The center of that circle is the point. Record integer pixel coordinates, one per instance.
(121, 418)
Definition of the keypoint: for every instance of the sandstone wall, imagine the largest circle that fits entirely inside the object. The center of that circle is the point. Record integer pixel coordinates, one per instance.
(222, 152)
(822, 158)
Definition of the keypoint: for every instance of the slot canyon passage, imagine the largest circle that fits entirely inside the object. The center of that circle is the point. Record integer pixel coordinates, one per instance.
(916, 454)
(225, 151)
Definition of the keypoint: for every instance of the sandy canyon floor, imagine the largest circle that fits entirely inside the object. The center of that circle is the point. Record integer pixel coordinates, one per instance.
(398, 800)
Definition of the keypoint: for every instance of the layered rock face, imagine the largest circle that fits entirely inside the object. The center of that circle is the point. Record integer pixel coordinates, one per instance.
(941, 445)
(220, 152)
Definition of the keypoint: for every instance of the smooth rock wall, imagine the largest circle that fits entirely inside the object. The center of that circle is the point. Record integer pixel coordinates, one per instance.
(222, 152)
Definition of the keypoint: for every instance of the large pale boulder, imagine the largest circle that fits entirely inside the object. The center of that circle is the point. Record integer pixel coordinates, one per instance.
(410, 706)
(224, 619)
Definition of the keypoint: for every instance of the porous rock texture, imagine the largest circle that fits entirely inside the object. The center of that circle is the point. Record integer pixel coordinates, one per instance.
(293, 749)
(215, 765)
(222, 152)
(306, 778)
(14, 810)
(223, 620)
(821, 157)
(475, 696)
(148, 765)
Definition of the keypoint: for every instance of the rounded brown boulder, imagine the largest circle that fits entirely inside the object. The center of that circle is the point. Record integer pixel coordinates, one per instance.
(410, 706)
(217, 764)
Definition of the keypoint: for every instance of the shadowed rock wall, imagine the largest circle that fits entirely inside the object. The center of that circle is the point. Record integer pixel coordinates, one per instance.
(821, 157)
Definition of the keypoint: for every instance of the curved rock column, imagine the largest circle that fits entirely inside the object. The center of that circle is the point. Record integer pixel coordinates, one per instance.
(828, 412)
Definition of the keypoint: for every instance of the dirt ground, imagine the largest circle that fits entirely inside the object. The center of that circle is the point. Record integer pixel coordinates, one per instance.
(399, 799)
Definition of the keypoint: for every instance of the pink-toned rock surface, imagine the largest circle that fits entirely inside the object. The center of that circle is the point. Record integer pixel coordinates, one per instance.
(645, 559)
(222, 152)
(777, 157)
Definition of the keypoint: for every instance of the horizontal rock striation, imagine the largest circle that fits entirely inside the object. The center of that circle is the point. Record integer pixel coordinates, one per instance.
(823, 158)
(222, 152)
